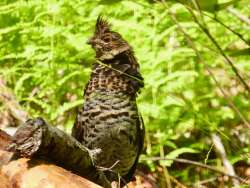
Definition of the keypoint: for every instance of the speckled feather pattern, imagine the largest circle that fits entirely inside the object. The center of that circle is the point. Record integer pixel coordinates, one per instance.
(109, 123)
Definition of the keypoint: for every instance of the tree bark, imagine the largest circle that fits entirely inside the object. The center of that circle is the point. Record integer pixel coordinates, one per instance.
(35, 173)
(39, 140)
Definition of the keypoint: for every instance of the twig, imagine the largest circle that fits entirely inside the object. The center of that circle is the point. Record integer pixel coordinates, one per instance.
(186, 161)
(165, 170)
(128, 75)
(167, 177)
(191, 44)
(109, 168)
(242, 17)
(220, 150)
(228, 28)
(208, 153)
(228, 60)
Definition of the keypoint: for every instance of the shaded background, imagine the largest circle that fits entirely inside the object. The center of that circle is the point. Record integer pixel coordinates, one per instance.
(194, 57)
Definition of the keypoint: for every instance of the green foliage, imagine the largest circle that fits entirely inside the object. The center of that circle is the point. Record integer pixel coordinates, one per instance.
(46, 61)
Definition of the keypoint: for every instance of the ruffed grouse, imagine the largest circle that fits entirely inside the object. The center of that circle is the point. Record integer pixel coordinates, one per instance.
(109, 123)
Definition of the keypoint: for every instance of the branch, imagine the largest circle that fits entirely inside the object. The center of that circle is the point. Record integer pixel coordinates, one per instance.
(186, 161)
(228, 28)
(199, 56)
(220, 150)
(37, 139)
(228, 60)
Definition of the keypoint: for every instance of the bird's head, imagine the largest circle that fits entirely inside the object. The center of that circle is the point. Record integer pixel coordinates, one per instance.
(107, 43)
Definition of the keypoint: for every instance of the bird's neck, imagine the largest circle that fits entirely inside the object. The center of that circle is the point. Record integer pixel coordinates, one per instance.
(116, 75)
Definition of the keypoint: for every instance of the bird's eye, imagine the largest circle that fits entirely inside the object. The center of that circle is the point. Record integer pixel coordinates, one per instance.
(106, 39)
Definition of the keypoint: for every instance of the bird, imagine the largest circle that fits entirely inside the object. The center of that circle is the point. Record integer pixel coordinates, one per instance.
(109, 123)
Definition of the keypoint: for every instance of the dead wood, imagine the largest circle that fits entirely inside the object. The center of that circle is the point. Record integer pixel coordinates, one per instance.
(37, 140)
(24, 172)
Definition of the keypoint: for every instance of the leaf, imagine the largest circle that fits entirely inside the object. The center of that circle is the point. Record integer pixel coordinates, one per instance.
(66, 78)
(51, 30)
(174, 154)
(39, 102)
(170, 144)
(20, 82)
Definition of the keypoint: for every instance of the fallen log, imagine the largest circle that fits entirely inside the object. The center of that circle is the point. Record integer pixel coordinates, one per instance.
(35, 173)
(37, 140)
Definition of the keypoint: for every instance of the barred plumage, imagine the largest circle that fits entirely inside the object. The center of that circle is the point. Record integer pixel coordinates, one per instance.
(109, 123)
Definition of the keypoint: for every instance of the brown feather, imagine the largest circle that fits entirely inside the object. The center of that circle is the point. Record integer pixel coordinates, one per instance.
(102, 25)
(109, 121)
